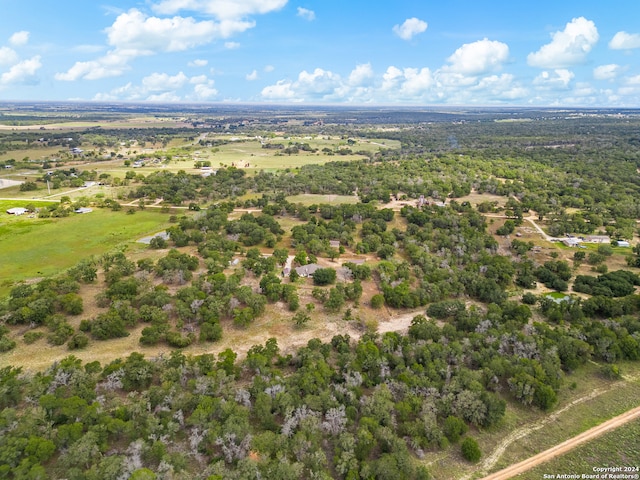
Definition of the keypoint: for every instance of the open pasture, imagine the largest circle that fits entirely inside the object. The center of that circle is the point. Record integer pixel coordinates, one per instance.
(55, 123)
(35, 153)
(34, 247)
(244, 152)
(310, 199)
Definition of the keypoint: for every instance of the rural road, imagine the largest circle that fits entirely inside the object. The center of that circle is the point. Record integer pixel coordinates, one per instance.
(566, 446)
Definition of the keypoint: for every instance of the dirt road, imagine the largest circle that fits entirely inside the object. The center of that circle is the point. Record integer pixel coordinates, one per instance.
(566, 446)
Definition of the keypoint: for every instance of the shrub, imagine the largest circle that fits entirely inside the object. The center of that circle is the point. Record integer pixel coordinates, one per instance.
(377, 301)
(324, 276)
(470, 450)
(611, 372)
(151, 336)
(31, 337)
(177, 340)
(158, 242)
(78, 341)
(454, 428)
(210, 332)
(60, 334)
(108, 325)
(6, 344)
(301, 319)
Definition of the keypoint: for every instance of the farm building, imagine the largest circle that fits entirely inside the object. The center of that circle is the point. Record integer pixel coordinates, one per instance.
(623, 243)
(571, 241)
(17, 211)
(597, 239)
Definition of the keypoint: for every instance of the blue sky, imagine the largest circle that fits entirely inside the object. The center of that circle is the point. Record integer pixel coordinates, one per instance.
(459, 52)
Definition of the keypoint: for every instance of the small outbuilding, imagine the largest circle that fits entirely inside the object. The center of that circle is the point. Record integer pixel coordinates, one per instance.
(17, 211)
(623, 243)
(83, 210)
(571, 241)
(598, 239)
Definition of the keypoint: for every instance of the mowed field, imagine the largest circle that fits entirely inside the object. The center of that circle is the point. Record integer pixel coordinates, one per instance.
(34, 247)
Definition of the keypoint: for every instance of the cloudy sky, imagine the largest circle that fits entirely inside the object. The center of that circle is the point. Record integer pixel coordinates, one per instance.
(357, 52)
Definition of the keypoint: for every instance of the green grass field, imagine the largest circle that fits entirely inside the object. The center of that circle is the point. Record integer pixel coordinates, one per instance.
(36, 153)
(34, 247)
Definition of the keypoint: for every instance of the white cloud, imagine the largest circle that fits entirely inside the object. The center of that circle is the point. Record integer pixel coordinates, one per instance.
(282, 90)
(134, 34)
(22, 73)
(478, 57)
(120, 93)
(361, 75)
(557, 79)
(416, 81)
(319, 82)
(161, 82)
(198, 79)
(410, 28)
(252, 76)
(407, 85)
(222, 9)
(231, 45)
(630, 88)
(584, 90)
(319, 85)
(502, 87)
(391, 78)
(307, 14)
(165, 97)
(269, 68)
(163, 87)
(138, 33)
(205, 91)
(113, 64)
(88, 48)
(8, 56)
(19, 38)
(625, 41)
(607, 72)
(568, 47)
(198, 63)
(635, 80)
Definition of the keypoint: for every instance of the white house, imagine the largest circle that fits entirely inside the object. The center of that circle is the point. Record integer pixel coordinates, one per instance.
(307, 270)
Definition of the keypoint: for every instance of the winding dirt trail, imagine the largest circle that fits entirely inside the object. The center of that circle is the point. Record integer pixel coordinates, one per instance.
(565, 446)
(490, 461)
(522, 432)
